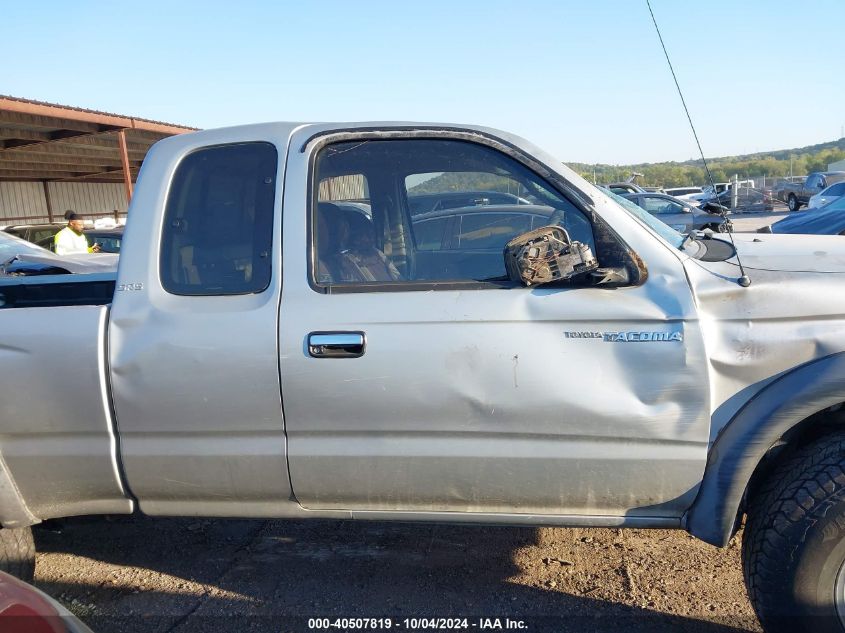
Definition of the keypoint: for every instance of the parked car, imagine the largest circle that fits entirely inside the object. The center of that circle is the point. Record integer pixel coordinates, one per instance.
(679, 214)
(662, 385)
(26, 609)
(683, 193)
(826, 220)
(710, 192)
(748, 201)
(427, 202)
(19, 258)
(488, 229)
(829, 194)
(36, 233)
(109, 240)
(622, 188)
(781, 188)
(798, 195)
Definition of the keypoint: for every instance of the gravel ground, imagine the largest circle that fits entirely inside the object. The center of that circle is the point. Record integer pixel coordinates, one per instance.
(137, 574)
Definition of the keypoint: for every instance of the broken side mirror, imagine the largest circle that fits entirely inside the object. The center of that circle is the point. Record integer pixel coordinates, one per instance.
(610, 277)
(545, 255)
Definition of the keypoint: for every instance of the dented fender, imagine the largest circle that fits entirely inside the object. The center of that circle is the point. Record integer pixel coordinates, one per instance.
(779, 406)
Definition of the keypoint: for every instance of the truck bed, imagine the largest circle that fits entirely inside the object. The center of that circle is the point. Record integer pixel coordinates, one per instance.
(57, 290)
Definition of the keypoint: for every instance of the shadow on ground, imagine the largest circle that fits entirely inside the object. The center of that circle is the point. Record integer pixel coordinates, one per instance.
(190, 575)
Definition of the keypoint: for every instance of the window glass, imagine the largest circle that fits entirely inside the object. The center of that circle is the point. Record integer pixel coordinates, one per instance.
(654, 204)
(429, 233)
(490, 230)
(218, 221)
(429, 210)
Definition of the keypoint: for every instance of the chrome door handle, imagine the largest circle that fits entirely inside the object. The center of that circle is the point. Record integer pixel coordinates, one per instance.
(336, 344)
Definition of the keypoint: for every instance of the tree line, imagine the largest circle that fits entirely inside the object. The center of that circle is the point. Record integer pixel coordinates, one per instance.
(772, 165)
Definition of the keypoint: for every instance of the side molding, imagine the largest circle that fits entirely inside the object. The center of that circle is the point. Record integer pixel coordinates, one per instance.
(744, 441)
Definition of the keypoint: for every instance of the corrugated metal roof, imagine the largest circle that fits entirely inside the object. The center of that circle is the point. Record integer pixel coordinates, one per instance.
(90, 111)
(49, 142)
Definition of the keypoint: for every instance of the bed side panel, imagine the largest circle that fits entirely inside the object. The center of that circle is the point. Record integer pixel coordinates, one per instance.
(56, 430)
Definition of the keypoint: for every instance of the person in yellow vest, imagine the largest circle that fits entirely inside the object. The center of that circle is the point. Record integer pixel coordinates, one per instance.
(71, 240)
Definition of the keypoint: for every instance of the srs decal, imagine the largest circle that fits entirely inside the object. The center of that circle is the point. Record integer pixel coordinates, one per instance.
(629, 337)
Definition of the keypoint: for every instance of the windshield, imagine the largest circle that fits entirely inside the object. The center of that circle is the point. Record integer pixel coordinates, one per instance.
(10, 246)
(667, 233)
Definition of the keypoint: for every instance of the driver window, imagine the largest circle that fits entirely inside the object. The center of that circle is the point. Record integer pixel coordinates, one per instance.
(426, 210)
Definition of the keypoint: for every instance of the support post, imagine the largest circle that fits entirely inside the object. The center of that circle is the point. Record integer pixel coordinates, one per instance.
(735, 192)
(48, 201)
(124, 159)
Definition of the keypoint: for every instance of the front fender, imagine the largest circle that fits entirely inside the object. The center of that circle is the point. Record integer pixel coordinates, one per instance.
(756, 427)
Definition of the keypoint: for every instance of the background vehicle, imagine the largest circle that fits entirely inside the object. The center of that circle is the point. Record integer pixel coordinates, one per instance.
(36, 233)
(19, 258)
(427, 202)
(826, 196)
(782, 186)
(680, 215)
(441, 387)
(798, 195)
(108, 239)
(748, 201)
(26, 609)
(485, 229)
(621, 188)
(683, 193)
(826, 220)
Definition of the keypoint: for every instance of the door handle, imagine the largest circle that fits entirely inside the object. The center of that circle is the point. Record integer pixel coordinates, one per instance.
(336, 344)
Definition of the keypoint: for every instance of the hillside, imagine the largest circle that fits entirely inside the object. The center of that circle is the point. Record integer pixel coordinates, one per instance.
(677, 174)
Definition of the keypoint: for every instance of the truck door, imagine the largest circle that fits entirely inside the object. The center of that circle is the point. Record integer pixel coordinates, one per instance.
(416, 377)
(193, 353)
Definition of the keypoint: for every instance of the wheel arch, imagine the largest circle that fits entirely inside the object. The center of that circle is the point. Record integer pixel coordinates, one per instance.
(795, 405)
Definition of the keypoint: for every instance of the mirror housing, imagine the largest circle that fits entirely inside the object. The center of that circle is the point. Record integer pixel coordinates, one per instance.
(546, 255)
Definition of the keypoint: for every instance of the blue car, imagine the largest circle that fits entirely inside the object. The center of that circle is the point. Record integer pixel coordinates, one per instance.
(826, 220)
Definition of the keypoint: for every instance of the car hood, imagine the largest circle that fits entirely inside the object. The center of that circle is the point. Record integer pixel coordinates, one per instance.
(83, 263)
(791, 253)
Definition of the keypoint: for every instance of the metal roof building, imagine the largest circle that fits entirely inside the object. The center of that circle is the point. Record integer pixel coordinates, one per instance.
(55, 157)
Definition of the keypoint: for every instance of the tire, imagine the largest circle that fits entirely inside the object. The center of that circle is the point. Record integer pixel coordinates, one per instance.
(793, 547)
(792, 202)
(17, 553)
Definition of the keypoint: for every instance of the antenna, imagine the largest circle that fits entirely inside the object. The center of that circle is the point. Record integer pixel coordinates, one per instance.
(743, 280)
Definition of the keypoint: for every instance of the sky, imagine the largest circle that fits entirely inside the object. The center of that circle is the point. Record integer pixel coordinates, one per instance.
(585, 80)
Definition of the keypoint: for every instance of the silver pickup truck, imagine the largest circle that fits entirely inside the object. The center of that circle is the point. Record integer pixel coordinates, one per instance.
(285, 338)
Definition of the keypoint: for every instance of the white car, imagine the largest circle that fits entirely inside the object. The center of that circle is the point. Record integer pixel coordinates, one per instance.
(683, 193)
(827, 195)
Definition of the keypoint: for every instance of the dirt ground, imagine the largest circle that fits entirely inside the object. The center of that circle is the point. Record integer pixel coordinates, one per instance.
(137, 574)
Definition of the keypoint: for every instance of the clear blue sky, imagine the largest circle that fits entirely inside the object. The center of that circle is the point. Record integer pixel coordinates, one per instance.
(584, 80)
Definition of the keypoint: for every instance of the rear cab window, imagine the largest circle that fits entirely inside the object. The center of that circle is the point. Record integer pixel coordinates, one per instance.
(218, 221)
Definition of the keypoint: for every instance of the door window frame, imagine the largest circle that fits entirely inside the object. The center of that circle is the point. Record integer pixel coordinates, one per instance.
(314, 144)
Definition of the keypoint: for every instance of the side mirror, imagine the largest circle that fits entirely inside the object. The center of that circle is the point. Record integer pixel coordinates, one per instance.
(545, 255)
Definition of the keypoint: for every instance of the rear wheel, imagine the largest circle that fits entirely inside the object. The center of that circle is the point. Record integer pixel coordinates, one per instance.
(17, 553)
(794, 542)
(792, 202)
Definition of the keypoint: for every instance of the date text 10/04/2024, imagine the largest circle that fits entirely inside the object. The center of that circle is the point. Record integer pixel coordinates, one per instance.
(482, 624)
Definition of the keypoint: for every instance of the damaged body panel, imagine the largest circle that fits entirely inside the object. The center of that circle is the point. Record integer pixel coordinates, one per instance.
(774, 358)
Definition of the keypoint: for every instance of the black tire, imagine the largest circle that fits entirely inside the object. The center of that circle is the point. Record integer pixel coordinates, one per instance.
(17, 553)
(792, 202)
(793, 548)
